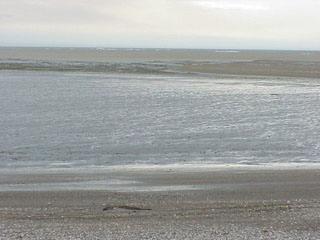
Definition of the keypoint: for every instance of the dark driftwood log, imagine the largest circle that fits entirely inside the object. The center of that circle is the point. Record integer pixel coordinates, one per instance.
(131, 208)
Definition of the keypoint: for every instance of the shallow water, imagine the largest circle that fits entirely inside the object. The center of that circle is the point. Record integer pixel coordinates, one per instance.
(62, 120)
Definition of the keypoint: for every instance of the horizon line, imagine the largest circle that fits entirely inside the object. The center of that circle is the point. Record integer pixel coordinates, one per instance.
(160, 48)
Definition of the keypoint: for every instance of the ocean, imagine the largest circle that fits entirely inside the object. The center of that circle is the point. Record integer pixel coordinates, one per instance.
(70, 107)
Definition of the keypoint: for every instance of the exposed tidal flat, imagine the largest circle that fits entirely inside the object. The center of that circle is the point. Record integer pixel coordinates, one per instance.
(304, 64)
(159, 144)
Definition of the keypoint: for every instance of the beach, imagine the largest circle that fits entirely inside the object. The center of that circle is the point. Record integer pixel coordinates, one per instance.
(189, 203)
(159, 144)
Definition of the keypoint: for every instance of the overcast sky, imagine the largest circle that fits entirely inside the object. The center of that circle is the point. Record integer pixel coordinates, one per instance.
(264, 24)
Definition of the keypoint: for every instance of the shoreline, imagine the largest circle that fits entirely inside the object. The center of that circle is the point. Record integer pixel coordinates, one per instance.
(178, 167)
(142, 178)
(131, 178)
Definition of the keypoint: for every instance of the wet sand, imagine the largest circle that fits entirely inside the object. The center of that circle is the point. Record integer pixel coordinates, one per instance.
(234, 203)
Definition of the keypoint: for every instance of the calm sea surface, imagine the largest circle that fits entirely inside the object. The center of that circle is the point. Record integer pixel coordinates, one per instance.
(91, 118)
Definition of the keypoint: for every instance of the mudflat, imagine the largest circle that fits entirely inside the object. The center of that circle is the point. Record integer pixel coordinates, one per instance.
(258, 68)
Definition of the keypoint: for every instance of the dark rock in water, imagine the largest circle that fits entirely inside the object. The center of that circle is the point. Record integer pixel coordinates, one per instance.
(130, 208)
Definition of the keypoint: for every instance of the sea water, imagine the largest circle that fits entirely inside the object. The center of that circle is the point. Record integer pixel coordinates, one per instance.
(53, 118)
